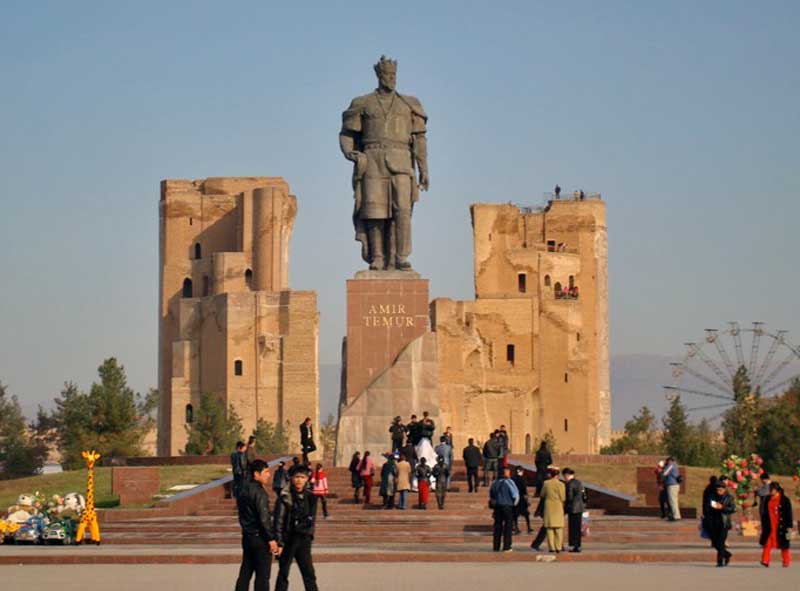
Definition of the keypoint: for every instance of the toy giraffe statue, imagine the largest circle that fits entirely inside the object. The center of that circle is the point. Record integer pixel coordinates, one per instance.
(89, 516)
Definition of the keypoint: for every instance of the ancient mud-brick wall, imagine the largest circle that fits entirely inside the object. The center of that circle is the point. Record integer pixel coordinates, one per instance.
(519, 355)
(229, 324)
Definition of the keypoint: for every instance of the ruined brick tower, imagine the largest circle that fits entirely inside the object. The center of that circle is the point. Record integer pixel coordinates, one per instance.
(228, 323)
(531, 351)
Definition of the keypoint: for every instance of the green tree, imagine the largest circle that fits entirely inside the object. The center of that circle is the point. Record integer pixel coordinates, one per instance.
(327, 435)
(111, 418)
(640, 436)
(271, 439)
(21, 453)
(778, 437)
(677, 436)
(705, 449)
(740, 424)
(213, 430)
(552, 444)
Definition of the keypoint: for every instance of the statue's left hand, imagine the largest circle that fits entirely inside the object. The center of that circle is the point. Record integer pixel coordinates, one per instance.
(424, 182)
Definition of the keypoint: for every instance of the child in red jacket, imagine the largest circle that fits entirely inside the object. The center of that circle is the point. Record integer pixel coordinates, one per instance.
(319, 485)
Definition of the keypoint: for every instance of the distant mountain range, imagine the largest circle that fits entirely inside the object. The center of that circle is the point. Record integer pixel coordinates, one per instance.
(636, 381)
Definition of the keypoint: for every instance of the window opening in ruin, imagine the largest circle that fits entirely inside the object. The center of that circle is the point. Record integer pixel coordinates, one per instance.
(557, 288)
(547, 280)
(551, 245)
(528, 449)
(566, 378)
(578, 336)
(571, 281)
(198, 251)
(206, 286)
(190, 221)
(510, 354)
(566, 425)
(237, 367)
(522, 281)
(187, 288)
(248, 278)
(189, 413)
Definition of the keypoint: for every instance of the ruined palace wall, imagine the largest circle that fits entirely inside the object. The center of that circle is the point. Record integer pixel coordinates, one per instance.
(234, 222)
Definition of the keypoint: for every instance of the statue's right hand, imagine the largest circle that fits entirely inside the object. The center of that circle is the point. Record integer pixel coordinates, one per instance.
(353, 156)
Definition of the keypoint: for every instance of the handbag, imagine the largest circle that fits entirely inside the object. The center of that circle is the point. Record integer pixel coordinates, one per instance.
(703, 531)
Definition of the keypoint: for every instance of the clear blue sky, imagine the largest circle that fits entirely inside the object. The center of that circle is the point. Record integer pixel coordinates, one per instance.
(683, 114)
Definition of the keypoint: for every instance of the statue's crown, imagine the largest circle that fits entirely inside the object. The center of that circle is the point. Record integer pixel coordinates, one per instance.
(385, 65)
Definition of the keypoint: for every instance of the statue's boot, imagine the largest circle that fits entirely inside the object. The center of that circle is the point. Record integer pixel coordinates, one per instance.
(402, 223)
(375, 236)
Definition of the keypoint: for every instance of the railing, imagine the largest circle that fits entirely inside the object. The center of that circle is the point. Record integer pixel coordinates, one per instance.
(574, 196)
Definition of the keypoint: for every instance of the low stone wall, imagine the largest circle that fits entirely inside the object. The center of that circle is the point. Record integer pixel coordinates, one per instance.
(135, 485)
(216, 460)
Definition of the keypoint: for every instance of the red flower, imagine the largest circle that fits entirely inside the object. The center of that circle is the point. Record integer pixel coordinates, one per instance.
(744, 462)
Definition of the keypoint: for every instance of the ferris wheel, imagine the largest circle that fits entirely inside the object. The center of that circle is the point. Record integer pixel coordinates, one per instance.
(707, 370)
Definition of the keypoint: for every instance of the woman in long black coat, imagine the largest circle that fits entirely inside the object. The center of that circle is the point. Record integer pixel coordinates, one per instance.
(776, 521)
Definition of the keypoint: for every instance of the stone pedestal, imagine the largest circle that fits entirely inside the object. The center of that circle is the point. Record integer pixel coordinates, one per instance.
(386, 310)
(390, 364)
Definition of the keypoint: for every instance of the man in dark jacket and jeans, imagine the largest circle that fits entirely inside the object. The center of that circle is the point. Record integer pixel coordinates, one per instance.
(472, 460)
(259, 539)
(295, 516)
(503, 497)
(574, 508)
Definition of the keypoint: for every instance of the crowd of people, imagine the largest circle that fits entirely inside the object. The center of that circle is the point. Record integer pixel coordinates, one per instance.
(412, 465)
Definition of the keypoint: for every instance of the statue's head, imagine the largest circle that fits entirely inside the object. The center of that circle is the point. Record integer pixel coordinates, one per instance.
(386, 71)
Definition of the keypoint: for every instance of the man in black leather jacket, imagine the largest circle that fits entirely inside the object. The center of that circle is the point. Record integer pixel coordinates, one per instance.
(295, 517)
(259, 539)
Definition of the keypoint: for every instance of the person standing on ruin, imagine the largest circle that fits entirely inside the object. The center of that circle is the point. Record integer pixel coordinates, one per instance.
(472, 461)
(307, 439)
(557, 191)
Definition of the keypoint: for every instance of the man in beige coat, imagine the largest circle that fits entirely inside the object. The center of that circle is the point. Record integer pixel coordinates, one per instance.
(553, 496)
(403, 481)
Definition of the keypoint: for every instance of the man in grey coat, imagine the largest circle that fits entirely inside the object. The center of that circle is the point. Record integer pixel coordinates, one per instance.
(574, 508)
(445, 450)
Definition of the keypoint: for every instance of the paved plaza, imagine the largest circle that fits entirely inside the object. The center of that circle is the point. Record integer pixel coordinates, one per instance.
(390, 577)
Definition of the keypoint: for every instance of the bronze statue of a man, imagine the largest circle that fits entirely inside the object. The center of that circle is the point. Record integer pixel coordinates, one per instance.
(383, 134)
